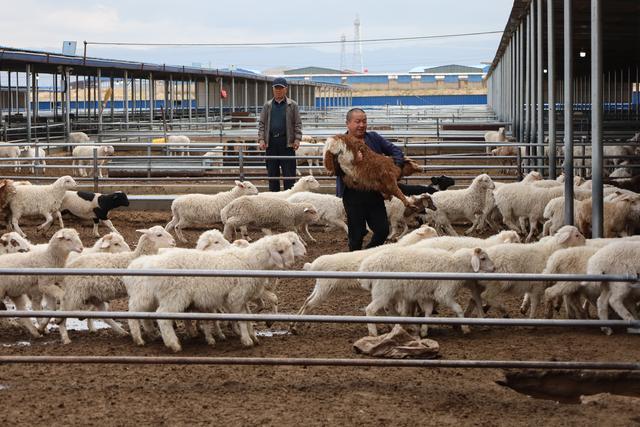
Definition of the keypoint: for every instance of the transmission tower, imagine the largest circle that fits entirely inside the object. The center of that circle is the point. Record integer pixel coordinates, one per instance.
(343, 52)
(357, 46)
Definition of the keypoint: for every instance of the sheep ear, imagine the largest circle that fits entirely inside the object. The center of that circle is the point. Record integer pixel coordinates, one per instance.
(475, 262)
(142, 230)
(564, 237)
(105, 244)
(240, 184)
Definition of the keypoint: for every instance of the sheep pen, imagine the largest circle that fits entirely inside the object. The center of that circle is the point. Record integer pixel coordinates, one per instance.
(339, 387)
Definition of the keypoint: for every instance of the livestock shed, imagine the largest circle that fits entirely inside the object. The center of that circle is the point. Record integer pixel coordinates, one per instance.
(569, 71)
(70, 93)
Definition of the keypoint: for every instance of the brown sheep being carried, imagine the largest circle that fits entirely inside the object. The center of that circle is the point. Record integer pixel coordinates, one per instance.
(364, 169)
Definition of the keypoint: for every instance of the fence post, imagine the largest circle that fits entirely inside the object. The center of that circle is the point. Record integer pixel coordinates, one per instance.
(95, 169)
(241, 161)
(149, 160)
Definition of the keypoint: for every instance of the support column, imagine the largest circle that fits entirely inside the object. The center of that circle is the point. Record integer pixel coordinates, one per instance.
(67, 101)
(125, 100)
(27, 102)
(533, 130)
(233, 94)
(568, 112)
(596, 119)
(540, 132)
(246, 95)
(551, 83)
(206, 98)
(100, 106)
(152, 97)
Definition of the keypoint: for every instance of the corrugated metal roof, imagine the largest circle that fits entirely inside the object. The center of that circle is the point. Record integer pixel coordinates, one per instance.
(453, 69)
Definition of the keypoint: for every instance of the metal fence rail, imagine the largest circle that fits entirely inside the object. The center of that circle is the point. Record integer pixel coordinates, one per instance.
(285, 361)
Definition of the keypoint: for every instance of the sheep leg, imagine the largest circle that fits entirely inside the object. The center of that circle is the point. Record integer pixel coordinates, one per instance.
(21, 303)
(207, 331)
(526, 303)
(617, 303)
(47, 224)
(427, 306)
(229, 228)
(476, 300)
(535, 300)
(16, 226)
(166, 325)
(191, 328)
(533, 224)
(59, 216)
(178, 231)
(372, 310)
(134, 324)
(306, 230)
(603, 305)
(96, 233)
(117, 328)
(405, 229)
(474, 224)
(109, 225)
(313, 300)
(459, 312)
(171, 224)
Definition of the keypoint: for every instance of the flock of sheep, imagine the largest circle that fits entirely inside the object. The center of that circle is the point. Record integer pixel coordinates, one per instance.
(530, 209)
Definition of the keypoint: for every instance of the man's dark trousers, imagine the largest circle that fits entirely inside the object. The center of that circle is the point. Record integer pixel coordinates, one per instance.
(278, 147)
(362, 208)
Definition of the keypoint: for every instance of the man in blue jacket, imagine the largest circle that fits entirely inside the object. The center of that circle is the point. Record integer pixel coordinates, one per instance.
(366, 207)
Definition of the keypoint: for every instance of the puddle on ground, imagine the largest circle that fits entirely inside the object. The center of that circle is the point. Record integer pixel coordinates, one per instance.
(79, 325)
(567, 386)
(273, 333)
(18, 344)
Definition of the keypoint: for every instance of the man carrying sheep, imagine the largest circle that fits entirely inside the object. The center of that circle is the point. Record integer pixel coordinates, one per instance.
(279, 133)
(366, 207)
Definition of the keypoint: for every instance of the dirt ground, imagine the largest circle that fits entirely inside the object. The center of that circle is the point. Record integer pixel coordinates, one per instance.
(226, 395)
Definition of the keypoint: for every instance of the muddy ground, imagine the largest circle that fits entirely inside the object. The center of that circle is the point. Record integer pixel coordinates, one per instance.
(225, 395)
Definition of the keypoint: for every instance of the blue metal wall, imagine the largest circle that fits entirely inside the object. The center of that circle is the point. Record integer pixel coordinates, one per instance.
(416, 100)
(118, 105)
(404, 79)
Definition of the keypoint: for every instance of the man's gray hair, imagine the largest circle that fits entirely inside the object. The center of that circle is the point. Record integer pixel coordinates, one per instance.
(354, 110)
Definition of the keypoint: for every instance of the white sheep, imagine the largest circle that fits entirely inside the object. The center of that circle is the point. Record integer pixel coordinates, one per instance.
(350, 261)
(466, 204)
(178, 143)
(51, 255)
(310, 147)
(617, 259)
(109, 243)
(211, 241)
(78, 138)
(43, 200)
(208, 294)
(12, 242)
(570, 261)
(267, 212)
(387, 293)
(307, 183)
(10, 151)
(453, 243)
(99, 290)
(495, 135)
(87, 151)
(525, 258)
(37, 156)
(215, 156)
(192, 210)
(329, 207)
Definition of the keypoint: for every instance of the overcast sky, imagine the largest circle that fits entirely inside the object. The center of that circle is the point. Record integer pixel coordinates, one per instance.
(43, 25)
